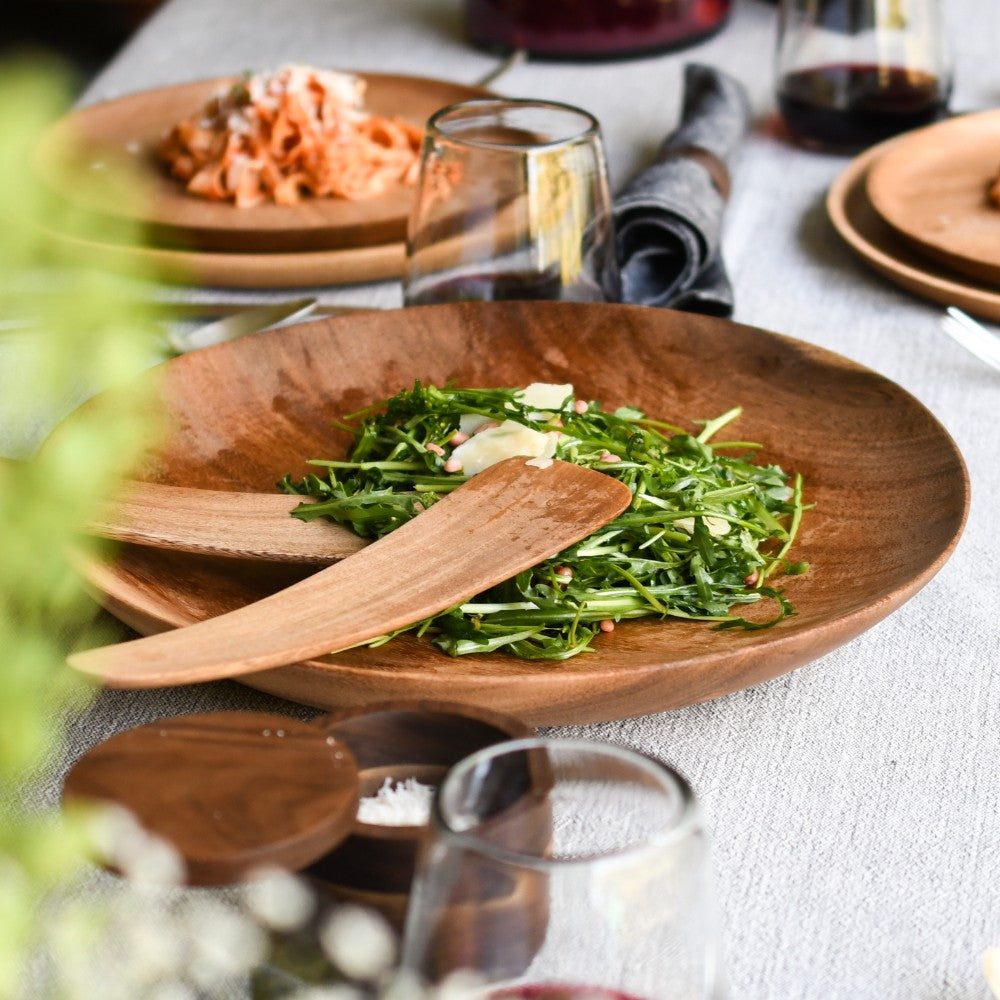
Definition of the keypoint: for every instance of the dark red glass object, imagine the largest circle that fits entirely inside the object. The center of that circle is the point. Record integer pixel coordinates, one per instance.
(547, 991)
(853, 105)
(592, 29)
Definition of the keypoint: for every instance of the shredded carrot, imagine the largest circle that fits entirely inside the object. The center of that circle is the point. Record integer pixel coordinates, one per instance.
(299, 131)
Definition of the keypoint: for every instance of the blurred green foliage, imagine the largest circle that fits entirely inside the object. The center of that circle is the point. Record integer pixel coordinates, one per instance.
(66, 329)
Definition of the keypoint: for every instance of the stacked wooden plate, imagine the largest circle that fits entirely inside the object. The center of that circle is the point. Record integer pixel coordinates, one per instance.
(320, 241)
(917, 209)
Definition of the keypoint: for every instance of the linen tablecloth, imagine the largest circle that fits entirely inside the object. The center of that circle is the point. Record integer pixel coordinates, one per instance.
(855, 803)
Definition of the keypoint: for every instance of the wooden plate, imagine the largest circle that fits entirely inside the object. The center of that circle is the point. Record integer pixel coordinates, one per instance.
(889, 485)
(130, 128)
(932, 187)
(244, 270)
(891, 254)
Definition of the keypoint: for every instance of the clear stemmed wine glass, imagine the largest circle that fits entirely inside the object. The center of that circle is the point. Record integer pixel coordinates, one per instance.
(563, 870)
(512, 202)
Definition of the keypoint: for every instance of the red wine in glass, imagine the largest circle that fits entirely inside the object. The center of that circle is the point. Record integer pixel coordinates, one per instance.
(499, 286)
(853, 105)
(555, 991)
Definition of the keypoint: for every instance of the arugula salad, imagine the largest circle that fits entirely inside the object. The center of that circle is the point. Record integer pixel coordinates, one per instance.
(707, 531)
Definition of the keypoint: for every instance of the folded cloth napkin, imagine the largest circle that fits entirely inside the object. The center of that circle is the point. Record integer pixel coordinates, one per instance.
(668, 220)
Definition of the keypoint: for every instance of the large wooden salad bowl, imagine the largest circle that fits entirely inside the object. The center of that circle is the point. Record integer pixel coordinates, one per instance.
(888, 484)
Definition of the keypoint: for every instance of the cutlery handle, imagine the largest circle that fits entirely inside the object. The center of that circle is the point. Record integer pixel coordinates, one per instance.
(220, 523)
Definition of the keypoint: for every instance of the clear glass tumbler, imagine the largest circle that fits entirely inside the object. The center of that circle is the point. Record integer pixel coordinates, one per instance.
(563, 870)
(850, 73)
(512, 202)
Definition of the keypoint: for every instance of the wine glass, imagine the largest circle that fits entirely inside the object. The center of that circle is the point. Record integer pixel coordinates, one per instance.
(563, 870)
(854, 72)
(512, 202)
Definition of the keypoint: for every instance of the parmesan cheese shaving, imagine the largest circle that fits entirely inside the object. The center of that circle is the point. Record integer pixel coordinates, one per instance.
(509, 440)
(717, 526)
(544, 395)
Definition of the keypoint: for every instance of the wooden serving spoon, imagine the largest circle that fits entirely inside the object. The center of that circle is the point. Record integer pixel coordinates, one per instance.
(503, 520)
(220, 523)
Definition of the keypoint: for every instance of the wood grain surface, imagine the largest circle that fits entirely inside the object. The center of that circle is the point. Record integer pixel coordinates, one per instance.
(233, 792)
(307, 268)
(888, 485)
(891, 254)
(506, 519)
(933, 186)
(223, 523)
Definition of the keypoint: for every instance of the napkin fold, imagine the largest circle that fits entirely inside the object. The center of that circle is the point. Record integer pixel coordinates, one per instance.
(668, 219)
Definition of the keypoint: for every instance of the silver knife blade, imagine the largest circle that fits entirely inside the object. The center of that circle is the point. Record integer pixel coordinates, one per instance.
(239, 324)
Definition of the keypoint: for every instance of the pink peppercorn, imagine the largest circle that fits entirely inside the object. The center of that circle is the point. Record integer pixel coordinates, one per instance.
(453, 465)
(607, 625)
(752, 578)
(581, 406)
(458, 438)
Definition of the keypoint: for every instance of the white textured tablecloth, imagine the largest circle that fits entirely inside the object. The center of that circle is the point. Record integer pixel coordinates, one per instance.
(855, 803)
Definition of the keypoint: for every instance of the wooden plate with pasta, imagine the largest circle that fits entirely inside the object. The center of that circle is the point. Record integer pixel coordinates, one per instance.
(129, 130)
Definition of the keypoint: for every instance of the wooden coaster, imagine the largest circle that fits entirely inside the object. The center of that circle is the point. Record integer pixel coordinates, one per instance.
(232, 791)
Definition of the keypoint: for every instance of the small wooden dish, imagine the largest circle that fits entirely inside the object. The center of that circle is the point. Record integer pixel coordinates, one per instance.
(374, 865)
(235, 792)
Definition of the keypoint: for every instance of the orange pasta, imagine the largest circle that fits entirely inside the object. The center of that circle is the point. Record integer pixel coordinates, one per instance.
(298, 131)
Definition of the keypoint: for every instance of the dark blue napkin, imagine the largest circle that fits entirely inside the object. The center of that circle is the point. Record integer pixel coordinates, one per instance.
(668, 219)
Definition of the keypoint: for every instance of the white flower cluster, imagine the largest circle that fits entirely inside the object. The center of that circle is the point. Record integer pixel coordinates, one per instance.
(148, 937)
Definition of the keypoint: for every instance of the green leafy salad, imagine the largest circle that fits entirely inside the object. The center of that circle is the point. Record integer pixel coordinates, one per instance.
(704, 534)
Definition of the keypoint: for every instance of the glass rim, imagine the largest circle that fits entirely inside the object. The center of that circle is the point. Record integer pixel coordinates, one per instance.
(591, 131)
(686, 822)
